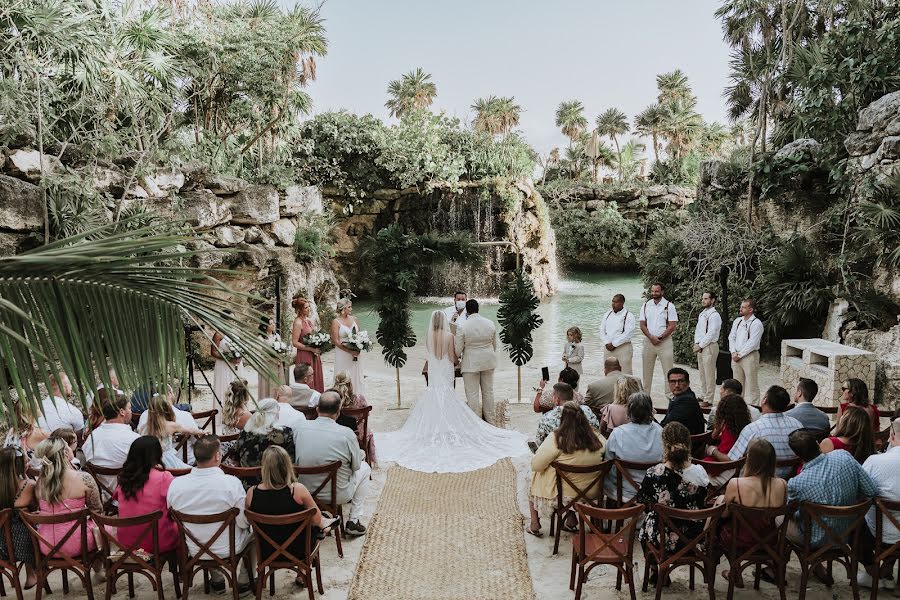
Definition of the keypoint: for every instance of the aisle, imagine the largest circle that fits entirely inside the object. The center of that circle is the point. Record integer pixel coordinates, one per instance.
(448, 536)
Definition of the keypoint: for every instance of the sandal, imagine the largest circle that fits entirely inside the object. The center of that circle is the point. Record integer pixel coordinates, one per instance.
(739, 583)
(536, 534)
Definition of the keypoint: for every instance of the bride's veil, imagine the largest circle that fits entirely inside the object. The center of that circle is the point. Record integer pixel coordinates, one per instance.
(437, 335)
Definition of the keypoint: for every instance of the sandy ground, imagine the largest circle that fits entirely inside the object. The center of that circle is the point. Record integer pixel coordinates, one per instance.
(549, 573)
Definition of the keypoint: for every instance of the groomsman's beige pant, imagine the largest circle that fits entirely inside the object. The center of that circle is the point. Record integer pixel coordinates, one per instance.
(665, 352)
(746, 371)
(624, 353)
(706, 363)
(480, 393)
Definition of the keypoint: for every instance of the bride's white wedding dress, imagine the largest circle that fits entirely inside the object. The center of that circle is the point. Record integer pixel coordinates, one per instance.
(443, 435)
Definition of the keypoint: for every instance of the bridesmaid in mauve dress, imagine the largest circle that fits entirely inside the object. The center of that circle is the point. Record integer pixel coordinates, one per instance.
(303, 326)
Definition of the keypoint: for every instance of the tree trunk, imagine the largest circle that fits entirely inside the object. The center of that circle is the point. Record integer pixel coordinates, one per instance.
(619, 152)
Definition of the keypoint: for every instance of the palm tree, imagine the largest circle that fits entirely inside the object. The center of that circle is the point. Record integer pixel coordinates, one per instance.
(413, 91)
(629, 159)
(571, 120)
(681, 126)
(673, 86)
(508, 113)
(112, 298)
(495, 115)
(649, 122)
(612, 124)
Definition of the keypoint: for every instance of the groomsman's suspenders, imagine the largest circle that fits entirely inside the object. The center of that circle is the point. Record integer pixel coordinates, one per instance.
(624, 320)
(666, 309)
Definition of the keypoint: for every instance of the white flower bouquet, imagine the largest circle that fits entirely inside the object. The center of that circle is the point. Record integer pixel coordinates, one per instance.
(230, 350)
(280, 347)
(359, 341)
(319, 340)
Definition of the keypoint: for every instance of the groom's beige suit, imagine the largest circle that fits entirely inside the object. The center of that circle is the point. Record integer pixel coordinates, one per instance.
(476, 341)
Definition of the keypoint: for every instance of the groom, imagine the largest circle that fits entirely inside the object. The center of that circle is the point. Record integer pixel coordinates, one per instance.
(476, 341)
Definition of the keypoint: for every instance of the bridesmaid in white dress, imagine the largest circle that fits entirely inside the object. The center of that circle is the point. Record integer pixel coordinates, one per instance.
(223, 375)
(346, 359)
(268, 386)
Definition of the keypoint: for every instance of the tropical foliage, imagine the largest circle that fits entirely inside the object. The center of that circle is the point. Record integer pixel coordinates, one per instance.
(518, 318)
(414, 91)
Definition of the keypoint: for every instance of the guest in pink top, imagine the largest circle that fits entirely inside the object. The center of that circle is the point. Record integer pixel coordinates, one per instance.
(61, 489)
(143, 486)
(732, 415)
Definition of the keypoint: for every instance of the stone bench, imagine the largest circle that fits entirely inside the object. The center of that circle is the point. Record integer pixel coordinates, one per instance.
(828, 364)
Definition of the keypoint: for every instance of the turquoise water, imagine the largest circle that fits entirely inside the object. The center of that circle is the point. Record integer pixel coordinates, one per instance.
(582, 300)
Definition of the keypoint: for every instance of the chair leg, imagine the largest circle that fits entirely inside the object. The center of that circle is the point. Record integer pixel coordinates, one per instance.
(319, 575)
(131, 585)
(572, 569)
(159, 586)
(804, 580)
(556, 536)
(780, 578)
(65, 576)
(580, 583)
(629, 574)
(260, 582)
(710, 575)
(41, 584)
(234, 583)
(646, 574)
(661, 575)
(851, 573)
(691, 577)
(309, 585)
(732, 577)
(337, 540)
(876, 584)
(88, 586)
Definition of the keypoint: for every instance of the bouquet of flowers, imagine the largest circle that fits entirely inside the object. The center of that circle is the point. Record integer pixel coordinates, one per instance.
(319, 340)
(359, 341)
(230, 350)
(280, 347)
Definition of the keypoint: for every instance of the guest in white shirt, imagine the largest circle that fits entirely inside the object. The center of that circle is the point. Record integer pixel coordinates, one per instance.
(108, 445)
(207, 490)
(322, 441)
(182, 417)
(658, 321)
(706, 347)
(884, 469)
(56, 412)
(743, 343)
(456, 314)
(288, 416)
(302, 394)
(616, 330)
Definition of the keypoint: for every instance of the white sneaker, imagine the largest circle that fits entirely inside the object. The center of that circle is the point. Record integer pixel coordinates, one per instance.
(864, 579)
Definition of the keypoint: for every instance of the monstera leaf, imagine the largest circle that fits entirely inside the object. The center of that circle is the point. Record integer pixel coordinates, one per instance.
(518, 319)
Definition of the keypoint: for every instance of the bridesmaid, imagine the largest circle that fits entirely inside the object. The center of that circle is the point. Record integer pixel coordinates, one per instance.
(303, 326)
(268, 386)
(222, 375)
(346, 360)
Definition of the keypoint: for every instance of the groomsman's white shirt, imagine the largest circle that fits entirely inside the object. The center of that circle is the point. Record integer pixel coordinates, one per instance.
(451, 310)
(658, 316)
(745, 335)
(57, 412)
(709, 326)
(617, 327)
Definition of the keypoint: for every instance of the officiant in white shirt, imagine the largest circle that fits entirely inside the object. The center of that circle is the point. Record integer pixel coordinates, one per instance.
(456, 314)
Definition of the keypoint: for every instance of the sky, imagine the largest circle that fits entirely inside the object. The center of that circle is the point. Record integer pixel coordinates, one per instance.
(605, 53)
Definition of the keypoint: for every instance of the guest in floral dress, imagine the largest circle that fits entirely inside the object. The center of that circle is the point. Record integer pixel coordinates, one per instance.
(562, 393)
(303, 326)
(16, 491)
(260, 432)
(543, 399)
(675, 482)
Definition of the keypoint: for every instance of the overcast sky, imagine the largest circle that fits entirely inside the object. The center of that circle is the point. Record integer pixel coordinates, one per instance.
(602, 52)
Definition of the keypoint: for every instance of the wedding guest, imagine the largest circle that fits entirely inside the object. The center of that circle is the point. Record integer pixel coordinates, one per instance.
(731, 386)
(856, 393)
(17, 491)
(142, 490)
(616, 413)
(639, 440)
(304, 325)
(161, 424)
(456, 314)
(182, 417)
(884, 469)
(683, 407)
(346, 358)
(56, 412)
(676, 483)
(658, 321)
(228, 368)
(543, 397)
(773, 425)
(616, 332)
(562, 393)
(731, 418)
(573, 350)
(234, 410)
(344, 387)
(706, 347)
(279, 493)
(302, 395)
(804, 411)
(108, 445)
(61, 490)
(573, 443)
(600, 393)
(207, 490)
(261, 432)
(71, 439)
(853, 434)
(287, 414)
(321, 441)
(267, 385)
(22, 434)
(757, 487)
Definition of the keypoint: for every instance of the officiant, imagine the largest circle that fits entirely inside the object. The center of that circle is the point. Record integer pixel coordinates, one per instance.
(456, 315)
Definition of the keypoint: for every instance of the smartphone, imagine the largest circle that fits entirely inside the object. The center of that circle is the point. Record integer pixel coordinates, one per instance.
(545, 373)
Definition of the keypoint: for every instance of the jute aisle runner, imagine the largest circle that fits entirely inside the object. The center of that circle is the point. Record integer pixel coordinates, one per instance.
(447, 536)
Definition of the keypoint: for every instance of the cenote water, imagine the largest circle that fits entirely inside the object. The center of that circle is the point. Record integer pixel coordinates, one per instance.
(582, 300)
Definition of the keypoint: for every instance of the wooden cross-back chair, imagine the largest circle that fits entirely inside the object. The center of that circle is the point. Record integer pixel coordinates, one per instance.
(886, 510)
(623, 475)
(204, 559)
(210, 416)
(592, 494)
(366, 441)
(120, 559)
(715, 469)
(97, 473)
(592, 547)
(329, 501)
(840, 545)
(8, 564)
(693, 552)
(48, 556)
(281, 555)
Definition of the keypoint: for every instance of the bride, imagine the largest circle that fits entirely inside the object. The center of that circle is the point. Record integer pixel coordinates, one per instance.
(442, 434)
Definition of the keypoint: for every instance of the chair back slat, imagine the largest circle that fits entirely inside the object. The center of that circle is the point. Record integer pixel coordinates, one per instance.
(117, 554)
(715, 469)
(768, 543)
(98, 473)
(242, 472)
(227, 521)
(362, 422)
(588, 519)
(693, 549)
(838, 542)
(886, 510)
(280, 553)
(623, 474)
(53, 557)
(210, 419)
(8, 564)
(330, 470)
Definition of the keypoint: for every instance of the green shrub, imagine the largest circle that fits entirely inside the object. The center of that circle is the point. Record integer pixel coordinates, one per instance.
(604, 232)
(311, 242)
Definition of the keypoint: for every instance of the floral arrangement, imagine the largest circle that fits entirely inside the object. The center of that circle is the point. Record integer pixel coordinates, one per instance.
(320, 340)
(359, 341)
(280, 347)
(230, 350)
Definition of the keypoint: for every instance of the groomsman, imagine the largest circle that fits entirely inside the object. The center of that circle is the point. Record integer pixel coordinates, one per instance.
(706, 346)
(658, 322)
(616, 331)
(743, 343)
